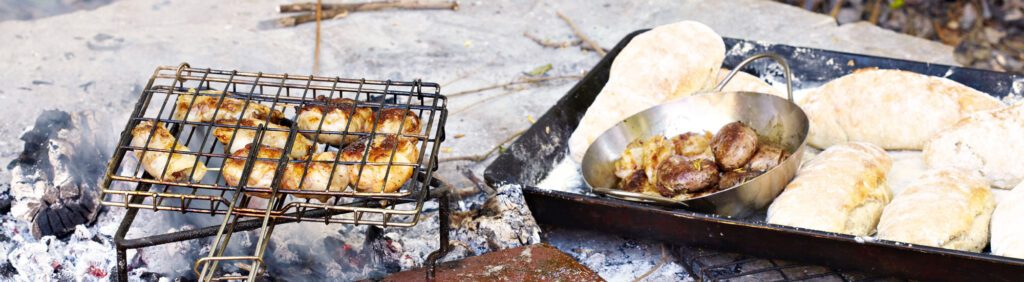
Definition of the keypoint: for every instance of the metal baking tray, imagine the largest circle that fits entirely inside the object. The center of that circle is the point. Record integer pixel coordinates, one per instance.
(533, 155)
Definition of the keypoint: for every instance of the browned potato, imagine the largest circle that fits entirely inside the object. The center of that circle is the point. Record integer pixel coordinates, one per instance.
(678, 174)
(693, 145)
(766, 158)
(634, 182)
(735, 177)
(632, 159)
(734, 145)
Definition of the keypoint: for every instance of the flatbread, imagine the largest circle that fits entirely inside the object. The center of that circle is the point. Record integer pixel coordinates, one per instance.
(1007, 230)
(665, 63)
(894, 109)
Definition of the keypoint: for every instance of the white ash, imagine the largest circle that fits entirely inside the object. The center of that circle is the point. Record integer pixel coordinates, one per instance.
(503, 222)
(616, 258)
(566, 176)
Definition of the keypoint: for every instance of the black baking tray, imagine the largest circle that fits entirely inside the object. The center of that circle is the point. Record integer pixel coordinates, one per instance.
(529, 159)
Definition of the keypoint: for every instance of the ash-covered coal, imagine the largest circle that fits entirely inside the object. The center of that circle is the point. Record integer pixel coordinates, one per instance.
(504, 221)
(55, 180)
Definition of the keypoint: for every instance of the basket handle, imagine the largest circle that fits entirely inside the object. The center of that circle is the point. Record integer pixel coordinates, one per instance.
(777, 58)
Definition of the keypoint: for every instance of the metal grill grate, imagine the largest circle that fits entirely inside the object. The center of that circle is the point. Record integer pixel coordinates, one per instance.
(709, 265)
(191, 104)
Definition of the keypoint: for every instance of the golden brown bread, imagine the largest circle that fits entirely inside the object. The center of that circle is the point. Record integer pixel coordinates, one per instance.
(946, 208)
(842, 190)
(894, 109)
(667, 62)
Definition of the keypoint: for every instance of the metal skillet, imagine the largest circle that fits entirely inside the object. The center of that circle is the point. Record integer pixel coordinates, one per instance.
(776, 120)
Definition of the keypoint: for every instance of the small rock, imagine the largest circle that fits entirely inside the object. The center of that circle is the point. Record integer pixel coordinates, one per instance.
(994, 35)
(968, 16)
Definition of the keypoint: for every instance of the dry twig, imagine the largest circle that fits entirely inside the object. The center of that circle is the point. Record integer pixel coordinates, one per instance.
(467, 74)
(521, 81)
(480, 185)
(373, 6)
(474, 104)
(481, 157)
(545, 43)
(835, 9)
(333, 11)
(316, 50)
(664, 258)
(591, 43)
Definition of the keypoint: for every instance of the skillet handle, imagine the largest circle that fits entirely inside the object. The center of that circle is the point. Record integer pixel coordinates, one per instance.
(780, 60)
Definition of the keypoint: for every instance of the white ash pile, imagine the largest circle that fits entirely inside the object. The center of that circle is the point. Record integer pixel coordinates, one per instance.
(53, 199)
(504, 221)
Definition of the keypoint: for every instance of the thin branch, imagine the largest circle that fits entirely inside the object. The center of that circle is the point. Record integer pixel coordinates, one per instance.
(481, 157)
(316, 50)
(310, 17)
(661, 262)
(545, 43)
(334, 11)
(474, 104)
(591, 43)
(373, 6)
(467, 74)
(521, 81)
(480, 185)
(835, 9)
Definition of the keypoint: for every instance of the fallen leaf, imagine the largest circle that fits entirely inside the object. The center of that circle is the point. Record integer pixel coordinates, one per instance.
(540, 70)
(457, 136)
(446, 150)
(501, 149)
(547, 129)
(530, 118)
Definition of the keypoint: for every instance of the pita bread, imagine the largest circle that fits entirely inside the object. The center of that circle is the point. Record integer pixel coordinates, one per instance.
(894, 109)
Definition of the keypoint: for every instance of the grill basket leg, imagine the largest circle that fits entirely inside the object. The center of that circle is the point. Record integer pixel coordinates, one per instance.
(444, 222)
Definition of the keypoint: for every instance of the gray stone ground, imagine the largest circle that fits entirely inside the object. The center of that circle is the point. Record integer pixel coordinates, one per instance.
(101, 59)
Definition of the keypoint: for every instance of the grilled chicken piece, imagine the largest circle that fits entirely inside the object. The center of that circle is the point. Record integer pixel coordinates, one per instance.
(263, 171)
(203, 108)
(319, 175)
(678, 174)
(377, 159)
(766, 158)
(734, 145)
(391, 119)
(155, 163)
(338, 113)
(276, 139)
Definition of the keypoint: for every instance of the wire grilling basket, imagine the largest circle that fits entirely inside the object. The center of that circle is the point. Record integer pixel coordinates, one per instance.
(278, 147)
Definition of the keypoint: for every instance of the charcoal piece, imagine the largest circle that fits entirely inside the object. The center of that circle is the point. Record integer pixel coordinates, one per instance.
(55, 179)
(5, 203)
(7, 270)
(148, 276)
(382, 250)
